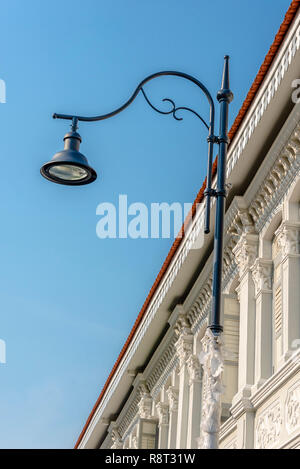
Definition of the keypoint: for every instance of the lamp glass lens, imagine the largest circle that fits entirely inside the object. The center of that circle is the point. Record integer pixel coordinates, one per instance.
(68, 172)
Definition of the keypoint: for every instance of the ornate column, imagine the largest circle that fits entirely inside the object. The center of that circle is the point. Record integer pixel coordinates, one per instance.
(163, 425)
(184, 348)
(172, 394)
(262, 276)
(289, 240)
(194, 415)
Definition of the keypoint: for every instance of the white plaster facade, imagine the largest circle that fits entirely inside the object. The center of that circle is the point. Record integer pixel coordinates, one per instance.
(154, 399)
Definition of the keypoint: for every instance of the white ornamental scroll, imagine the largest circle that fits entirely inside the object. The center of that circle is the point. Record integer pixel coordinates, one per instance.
(212, 360)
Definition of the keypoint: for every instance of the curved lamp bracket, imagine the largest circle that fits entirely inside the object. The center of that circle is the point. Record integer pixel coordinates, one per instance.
(140, 88)
(210, 126)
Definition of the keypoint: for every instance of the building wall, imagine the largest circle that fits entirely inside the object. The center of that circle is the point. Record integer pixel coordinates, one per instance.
(261, 304)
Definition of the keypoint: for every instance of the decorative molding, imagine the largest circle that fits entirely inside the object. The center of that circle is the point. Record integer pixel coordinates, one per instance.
(200, 307)
(227, 428)
(163, 367)
(268, 427)
(241, 406)
(276, 183)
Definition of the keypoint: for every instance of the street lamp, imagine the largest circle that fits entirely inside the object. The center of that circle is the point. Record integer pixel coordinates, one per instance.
(70, 167)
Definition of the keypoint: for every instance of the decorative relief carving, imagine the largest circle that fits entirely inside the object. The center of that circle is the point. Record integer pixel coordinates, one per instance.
(194, 369)
(182, 326)
(134, 442)
(212, 360)
(268, 427)
(262, 275)
(288, 238)
(241, 223)
(116, 438)
(241, 229)
(292, 408)
(246, 252)
(163, 413)
(184, 348)
(173, 394)
(145, 406)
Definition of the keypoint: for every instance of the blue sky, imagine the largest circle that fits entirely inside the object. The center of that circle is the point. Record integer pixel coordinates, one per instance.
(68, 299)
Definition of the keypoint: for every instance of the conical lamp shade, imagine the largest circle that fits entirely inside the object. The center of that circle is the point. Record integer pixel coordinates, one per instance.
(69, 166)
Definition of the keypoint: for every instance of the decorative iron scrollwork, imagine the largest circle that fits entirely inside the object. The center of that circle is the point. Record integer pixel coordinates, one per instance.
(173, 110)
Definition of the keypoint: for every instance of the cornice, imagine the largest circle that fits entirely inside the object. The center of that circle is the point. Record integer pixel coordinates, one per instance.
(284, 170)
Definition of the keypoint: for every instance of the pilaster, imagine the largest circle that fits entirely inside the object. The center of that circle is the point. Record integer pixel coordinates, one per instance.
(262, 276)
(195, 391)
(184, 348)
(172, 394)
(289, 240)
(163, 424)
(246, 253)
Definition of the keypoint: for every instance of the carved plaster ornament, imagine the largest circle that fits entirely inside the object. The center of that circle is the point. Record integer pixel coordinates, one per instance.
(212, 360)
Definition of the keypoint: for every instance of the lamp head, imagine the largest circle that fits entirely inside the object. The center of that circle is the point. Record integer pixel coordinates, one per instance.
(69, 166)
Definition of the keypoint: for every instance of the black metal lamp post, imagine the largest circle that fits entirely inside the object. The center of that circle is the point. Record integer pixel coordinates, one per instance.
(70, 167)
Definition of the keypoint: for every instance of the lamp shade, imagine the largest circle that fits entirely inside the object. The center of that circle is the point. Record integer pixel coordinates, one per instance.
(69, 166)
